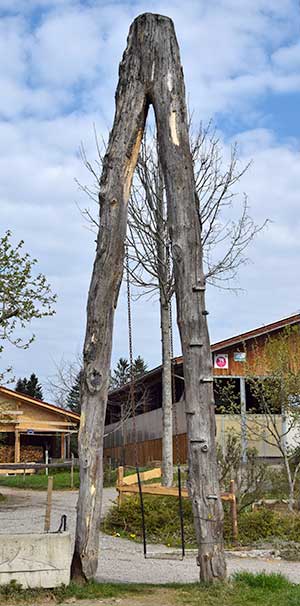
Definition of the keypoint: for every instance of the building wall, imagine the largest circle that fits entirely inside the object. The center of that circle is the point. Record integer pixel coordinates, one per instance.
(255, 359)
(27, 429)
(119, 443)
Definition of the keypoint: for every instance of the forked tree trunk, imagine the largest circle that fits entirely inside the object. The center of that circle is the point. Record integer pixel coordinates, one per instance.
(150, 72)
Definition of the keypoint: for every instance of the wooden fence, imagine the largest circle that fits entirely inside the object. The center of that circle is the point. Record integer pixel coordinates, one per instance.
(147, 452)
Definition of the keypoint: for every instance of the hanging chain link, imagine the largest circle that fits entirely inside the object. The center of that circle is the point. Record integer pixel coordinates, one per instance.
(130, 347)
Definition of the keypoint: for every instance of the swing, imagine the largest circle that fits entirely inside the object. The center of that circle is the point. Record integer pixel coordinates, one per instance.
(152, 489)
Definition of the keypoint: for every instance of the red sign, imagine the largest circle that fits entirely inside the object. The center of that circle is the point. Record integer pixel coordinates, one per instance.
(221, 361)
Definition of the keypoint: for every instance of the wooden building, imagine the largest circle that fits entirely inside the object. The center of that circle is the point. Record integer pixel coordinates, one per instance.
(29, 427)
(233, 359)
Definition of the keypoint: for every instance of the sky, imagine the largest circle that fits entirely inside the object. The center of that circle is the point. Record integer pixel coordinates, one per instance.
(58, 73)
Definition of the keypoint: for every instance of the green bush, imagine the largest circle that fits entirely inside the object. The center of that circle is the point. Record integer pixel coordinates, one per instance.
(163, 526)
(162, 520)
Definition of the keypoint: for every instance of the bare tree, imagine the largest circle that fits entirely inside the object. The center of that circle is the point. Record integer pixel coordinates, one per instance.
(151, 52)
(61, 382)
(227, 231)
(224, 240)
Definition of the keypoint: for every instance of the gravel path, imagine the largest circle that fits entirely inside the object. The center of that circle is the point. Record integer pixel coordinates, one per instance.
(120, 560)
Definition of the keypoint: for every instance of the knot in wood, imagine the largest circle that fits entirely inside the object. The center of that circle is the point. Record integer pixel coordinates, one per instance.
(93, 379)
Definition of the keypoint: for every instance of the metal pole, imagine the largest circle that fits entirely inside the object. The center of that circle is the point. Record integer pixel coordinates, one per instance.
(72, 470)
(47, 460)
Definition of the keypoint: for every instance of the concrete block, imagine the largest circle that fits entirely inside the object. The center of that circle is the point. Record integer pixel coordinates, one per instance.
(35, 560)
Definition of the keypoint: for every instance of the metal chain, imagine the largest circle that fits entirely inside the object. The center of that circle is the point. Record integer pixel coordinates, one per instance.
(130, 348)
(177, 453)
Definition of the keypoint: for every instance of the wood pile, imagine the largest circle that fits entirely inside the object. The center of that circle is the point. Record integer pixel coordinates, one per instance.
(28, 454)
(31, 454)
(7, 454)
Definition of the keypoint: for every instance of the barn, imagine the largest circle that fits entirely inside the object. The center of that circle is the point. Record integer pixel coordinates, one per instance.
(232, 359)
(29, 427)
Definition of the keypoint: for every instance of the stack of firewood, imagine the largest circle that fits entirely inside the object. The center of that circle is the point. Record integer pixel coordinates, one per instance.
(7, 454)
(30, 454)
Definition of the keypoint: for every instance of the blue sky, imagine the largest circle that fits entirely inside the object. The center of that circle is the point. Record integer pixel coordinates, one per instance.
(58, 72)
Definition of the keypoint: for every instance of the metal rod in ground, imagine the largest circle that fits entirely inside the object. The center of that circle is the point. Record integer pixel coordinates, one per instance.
(48, 504)
(181, 513)
(142, 512)
(72, 471)
(46, 462)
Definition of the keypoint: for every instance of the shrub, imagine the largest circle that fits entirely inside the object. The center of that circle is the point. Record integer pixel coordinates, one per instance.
(162, 522)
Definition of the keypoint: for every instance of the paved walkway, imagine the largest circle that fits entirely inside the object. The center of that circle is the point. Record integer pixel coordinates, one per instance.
(119, 559)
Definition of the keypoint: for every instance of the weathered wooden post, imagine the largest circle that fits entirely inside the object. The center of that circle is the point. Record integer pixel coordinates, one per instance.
(233, 510)
(150, 73)
(120, 478)
(48, 504)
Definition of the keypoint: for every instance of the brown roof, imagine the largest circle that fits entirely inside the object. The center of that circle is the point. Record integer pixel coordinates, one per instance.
(257, 332)
(221, 345)
(25, 398)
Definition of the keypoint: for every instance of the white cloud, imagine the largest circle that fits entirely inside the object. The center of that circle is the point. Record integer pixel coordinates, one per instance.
(58, 74)
(287, 58)
(67, 48)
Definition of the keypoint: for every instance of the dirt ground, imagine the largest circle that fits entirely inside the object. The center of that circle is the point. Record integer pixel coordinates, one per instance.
(159, 597)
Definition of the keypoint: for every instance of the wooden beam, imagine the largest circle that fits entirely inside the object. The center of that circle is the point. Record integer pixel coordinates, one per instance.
(144, 476)
(32, 422)
(62, 446)
(17, 446)
(6, 413)
(154, 489)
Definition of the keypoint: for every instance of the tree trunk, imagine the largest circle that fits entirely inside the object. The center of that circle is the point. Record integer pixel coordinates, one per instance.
(291, 499)
(150, 72)
(167, 416)
(168, 97)
(164, 296)
(118, 167)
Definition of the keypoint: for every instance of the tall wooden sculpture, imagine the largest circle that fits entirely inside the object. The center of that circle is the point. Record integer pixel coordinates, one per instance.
(150, 73)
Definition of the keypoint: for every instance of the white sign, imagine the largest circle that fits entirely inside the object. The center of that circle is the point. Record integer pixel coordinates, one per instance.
(221, 361)
(239, 356)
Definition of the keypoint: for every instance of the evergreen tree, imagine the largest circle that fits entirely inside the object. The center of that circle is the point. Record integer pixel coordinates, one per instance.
(73, 398)
(30, 387)
(139, 367)
(121, 374)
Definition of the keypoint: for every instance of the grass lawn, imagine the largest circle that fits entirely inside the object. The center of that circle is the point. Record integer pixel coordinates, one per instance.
(244, 589)
(62, 480)
(38, 481)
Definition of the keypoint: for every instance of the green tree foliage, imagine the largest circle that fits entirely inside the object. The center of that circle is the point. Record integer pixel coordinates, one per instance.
(275, 384)
(73, 398)
(121, 374)
(30, 387)
(139, 367)
(24, 295)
